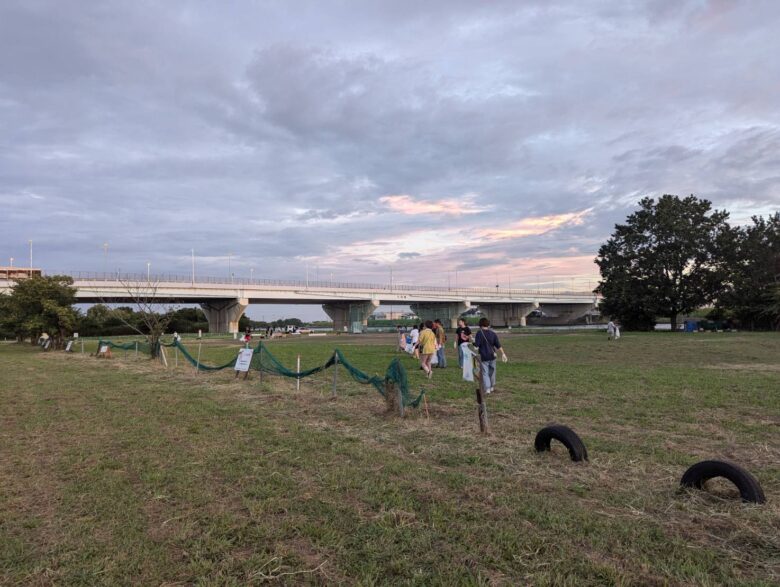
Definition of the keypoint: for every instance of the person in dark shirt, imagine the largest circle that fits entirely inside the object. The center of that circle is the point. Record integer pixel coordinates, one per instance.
(487, 342)
(462, 335)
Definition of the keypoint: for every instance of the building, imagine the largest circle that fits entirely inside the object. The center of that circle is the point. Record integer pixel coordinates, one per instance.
(18, 272)
(393, 316)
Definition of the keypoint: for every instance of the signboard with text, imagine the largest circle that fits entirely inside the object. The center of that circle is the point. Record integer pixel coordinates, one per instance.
(243, 360)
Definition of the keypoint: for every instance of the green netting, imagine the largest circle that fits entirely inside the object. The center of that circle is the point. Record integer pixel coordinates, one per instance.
(195, 362)
(264, 360)
(126, 346)
(395, 374)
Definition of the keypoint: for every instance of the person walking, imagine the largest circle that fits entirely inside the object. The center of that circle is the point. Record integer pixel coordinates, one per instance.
(441, 340)
(487, 342)
(427, 347)
(462, 336)
(415, 335)
(611, 330)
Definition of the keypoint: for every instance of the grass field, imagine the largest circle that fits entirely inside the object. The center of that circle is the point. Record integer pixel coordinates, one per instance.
(121, 472)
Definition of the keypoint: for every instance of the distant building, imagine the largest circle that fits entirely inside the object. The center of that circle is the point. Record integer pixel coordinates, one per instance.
(393, 316)
(18, 272)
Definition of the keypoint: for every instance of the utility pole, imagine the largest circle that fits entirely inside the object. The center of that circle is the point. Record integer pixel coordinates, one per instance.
(148, 267)
(31, 263)
(192, 251)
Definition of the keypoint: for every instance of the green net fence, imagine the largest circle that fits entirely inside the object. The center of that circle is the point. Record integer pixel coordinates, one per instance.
(141, 346)
(264, 360)
(195, 361)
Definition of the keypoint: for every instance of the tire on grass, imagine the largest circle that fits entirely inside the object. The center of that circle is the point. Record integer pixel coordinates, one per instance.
(749, 488)
(566, 436)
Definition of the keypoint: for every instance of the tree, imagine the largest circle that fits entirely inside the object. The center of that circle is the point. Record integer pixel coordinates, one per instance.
(145, 320)
(664, 261)
(6, 325)
(40, 304)
(753, 262)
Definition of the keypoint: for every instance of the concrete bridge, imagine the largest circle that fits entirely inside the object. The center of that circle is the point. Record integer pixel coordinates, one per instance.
(348, 304)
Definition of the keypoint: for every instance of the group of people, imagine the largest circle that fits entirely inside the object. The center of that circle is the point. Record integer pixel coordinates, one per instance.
(613, 330)
(427, 342)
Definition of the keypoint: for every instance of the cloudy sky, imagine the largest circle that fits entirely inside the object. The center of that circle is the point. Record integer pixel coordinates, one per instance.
(501, 140)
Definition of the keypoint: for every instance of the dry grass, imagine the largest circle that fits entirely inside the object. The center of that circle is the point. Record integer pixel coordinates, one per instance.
(119, 471)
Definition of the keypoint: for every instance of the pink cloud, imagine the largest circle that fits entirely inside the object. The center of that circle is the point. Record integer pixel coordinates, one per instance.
(405, 204)
(535, 225)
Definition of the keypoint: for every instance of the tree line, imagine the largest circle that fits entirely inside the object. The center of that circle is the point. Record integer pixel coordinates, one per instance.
(675, 255)
(46, 304)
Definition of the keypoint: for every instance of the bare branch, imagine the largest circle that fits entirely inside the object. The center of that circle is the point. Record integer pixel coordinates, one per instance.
(144, 300)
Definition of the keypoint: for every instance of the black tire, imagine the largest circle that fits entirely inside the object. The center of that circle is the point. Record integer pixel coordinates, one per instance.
(749, 488)
(565, 435)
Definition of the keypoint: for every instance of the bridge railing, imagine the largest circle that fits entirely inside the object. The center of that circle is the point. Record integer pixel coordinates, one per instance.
(166, 278)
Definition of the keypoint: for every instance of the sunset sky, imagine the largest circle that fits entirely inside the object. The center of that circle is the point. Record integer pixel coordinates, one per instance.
(499, 140)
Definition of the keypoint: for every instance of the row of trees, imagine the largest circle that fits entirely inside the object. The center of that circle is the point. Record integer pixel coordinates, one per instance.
(675, 255)
(45, 304)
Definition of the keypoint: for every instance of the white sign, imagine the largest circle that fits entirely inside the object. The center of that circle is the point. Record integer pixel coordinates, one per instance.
(244, 359)
(104, 349)
(75, 335)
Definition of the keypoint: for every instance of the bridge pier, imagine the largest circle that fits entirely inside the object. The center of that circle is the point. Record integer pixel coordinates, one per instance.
(561, 314)
(447, 312)
(507, 314)
(350, 316)
(223, 315)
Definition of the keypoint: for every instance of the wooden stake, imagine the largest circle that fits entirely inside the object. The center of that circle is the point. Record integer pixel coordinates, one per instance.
(484, 428)
(261, 364)
(162, 354)
(335, 374)
(298, 370)
(136, 349)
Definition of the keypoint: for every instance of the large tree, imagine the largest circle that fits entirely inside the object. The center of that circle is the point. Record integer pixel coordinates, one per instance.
(753, 261)
(40, 304)
(664, 261)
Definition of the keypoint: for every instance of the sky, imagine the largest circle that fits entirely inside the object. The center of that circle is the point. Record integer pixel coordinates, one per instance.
(438, 141)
